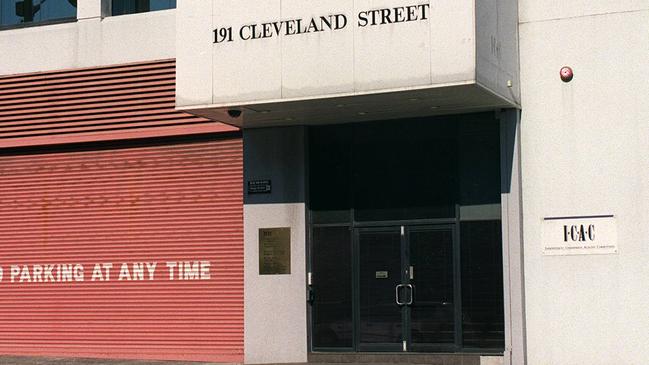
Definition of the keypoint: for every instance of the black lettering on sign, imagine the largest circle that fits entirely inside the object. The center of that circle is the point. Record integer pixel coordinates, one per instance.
(401, 14)
(340, 21)
(362, 19)
(579, 233)
(244, 33)
(330, 22)
(222, 35)
(591, 232)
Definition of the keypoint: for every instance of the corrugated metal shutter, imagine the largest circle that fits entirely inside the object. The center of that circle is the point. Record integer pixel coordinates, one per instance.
(169, 203)
(102, 103)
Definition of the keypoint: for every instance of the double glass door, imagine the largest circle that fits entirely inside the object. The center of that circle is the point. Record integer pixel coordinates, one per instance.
(406, 293)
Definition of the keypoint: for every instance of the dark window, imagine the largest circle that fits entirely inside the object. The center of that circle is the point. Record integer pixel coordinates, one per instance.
(13, 12)
(433, 311)
(401, 170)
(405, 170)
(330, 175)
(482, 284)
(332, 287)
(478, 163)
(121, 7)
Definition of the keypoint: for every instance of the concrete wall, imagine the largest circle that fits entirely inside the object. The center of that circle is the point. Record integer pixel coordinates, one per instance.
(497, 66)
(93, 40)
(585, 151)
(275, 305)
(513, 246)
(440, 50)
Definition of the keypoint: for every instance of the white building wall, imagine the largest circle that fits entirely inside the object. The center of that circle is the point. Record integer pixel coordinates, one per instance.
(585, 151)
(92, 40)
(440, 51)
(275, 305)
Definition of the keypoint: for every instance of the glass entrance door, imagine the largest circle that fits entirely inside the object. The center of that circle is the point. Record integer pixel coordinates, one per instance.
(381, 318)
(432, 313)
(406, 288)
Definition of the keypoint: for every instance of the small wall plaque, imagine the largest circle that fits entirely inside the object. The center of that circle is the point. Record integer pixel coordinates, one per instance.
(381, 274)
(582, 235)
(274, 251)
(259, 187)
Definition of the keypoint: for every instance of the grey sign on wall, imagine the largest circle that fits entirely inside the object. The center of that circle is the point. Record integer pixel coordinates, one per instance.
(259, 187)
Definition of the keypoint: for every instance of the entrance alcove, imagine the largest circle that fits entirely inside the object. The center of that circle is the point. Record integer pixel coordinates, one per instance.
(405, 248)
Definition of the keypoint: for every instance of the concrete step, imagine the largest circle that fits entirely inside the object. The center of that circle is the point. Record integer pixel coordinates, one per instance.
(395, 358)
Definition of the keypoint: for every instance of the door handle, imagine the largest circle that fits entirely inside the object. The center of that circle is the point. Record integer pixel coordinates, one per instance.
(412, 293)
(396, 294)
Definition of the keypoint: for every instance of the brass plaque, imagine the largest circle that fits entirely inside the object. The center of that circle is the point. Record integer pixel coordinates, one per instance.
(274, 251)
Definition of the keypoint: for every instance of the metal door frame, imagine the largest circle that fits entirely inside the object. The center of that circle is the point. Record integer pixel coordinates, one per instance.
(356, 317)
(404, 229)
(457, 290)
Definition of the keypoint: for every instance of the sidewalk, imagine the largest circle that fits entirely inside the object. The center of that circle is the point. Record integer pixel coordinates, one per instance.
(20, 360)
(316, 359)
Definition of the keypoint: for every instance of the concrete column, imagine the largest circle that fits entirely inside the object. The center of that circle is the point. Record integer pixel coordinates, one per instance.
(275, 305)
(88, 9)
(513, 271)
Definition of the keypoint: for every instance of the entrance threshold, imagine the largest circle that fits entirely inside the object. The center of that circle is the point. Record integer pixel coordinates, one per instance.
(403, 358)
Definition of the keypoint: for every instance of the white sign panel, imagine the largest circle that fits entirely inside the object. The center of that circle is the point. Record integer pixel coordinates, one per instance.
(588, 235)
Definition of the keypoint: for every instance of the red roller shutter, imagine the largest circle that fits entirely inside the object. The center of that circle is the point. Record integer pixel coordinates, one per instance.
(152, 204)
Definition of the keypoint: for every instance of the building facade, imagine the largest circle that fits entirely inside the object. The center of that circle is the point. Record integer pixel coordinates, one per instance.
(325, 181)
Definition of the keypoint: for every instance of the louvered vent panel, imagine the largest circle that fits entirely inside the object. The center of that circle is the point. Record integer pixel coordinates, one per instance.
(170, 203)
(112, 102)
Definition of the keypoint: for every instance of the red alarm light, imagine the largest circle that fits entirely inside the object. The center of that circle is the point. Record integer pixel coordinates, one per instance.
(566, 74)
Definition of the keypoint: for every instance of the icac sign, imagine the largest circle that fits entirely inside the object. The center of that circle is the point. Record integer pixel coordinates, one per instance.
(579, 235)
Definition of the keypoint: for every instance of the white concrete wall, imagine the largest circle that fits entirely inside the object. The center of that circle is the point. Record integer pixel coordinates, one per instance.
(437, 51)
(275, 305)
(497, 47)
(513, 246)
(585, 151)
(90, 41)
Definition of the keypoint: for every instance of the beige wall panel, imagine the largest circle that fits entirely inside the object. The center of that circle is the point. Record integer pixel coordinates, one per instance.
(584, 152)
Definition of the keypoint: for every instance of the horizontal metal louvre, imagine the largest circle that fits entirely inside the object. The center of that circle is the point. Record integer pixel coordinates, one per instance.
(89, 104)
(168, 203)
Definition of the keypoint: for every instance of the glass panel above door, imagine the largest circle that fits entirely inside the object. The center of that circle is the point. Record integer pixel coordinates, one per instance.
(330, 174)
(403, 170)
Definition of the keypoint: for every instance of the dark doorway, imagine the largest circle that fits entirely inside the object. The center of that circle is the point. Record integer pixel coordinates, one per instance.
(405, 242)
(406, 293)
